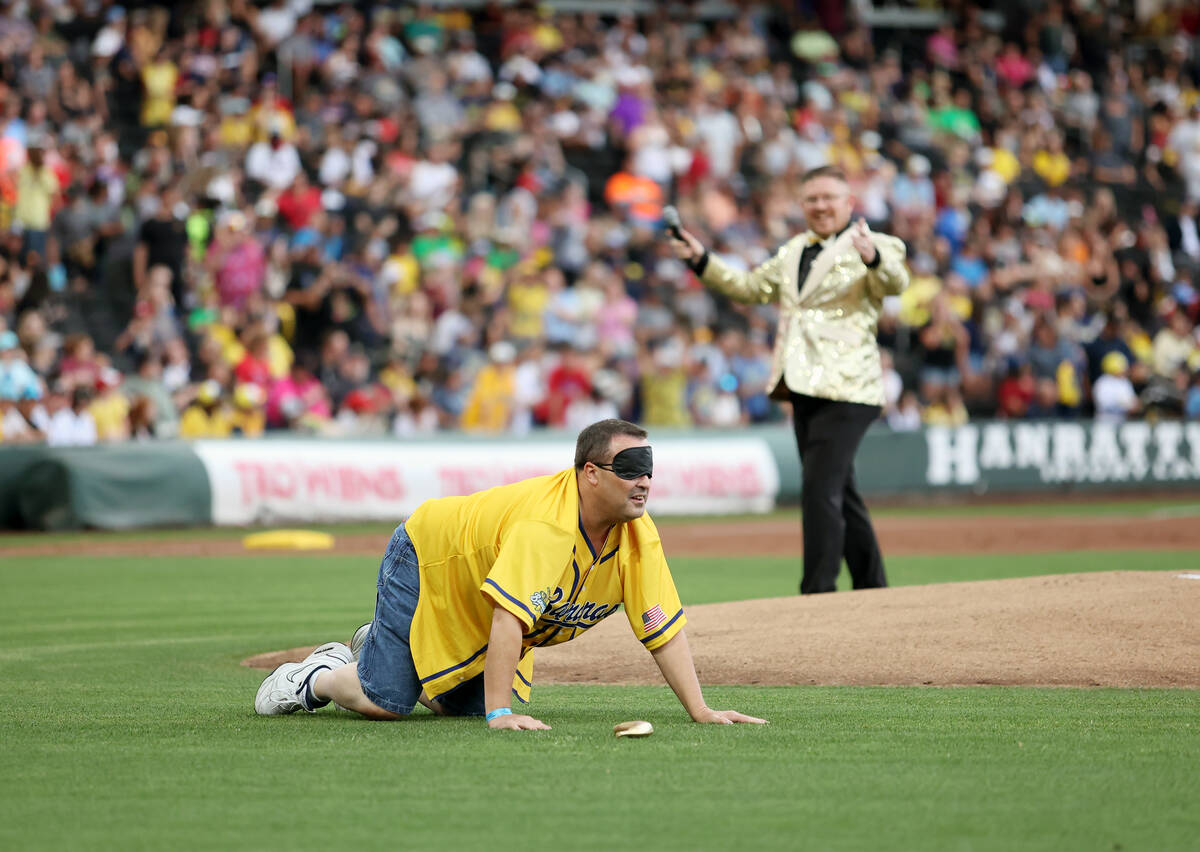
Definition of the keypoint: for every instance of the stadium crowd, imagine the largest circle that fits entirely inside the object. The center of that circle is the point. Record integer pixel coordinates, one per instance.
(220, 218)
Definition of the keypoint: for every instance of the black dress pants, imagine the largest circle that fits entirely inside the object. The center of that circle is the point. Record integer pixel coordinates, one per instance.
(836, 521)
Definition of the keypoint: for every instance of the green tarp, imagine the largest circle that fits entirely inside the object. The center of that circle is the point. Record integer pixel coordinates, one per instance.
(108, 487)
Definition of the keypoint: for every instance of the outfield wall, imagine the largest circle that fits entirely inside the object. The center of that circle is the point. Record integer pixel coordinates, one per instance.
(297, 480)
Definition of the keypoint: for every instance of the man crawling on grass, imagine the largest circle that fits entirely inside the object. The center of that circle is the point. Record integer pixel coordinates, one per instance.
(470, 585)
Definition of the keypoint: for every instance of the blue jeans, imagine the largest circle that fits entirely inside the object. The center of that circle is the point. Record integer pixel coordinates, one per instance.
(32, 241)
(385, 665)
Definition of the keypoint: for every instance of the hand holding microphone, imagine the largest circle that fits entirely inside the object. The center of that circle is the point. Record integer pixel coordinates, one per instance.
(687, 247)
(671, 219)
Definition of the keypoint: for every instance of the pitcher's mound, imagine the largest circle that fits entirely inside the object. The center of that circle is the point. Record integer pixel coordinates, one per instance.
(1106, 629)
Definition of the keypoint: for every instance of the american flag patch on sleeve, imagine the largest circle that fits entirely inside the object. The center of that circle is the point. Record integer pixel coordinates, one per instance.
(653, 618)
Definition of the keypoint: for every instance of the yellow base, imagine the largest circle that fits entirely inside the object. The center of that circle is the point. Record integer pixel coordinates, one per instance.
(288, 540)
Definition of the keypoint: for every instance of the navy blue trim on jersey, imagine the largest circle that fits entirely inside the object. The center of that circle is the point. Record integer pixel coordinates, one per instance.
(523, 680)
(575, 582)
(587, 540)
(546, 625)
(662, 629)
(517, 695)
(609, 555)
(532, 618)
(454, 667)
(546, 640)
(583, 625)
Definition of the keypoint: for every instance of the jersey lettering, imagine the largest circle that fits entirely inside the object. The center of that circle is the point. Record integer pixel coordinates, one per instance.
(577, 614)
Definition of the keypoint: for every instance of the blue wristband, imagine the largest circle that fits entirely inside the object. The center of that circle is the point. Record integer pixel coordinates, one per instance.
(498, 712)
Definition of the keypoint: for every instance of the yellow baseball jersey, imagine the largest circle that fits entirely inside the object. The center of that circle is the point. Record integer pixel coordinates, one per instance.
(522, 547)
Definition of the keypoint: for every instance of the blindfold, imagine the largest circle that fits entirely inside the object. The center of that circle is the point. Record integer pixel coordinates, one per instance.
(632, 463)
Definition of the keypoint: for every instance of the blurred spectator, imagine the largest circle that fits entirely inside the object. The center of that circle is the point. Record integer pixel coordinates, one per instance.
(566, 382)
(177, 367)
(1174, 344)
(712, 399)
(1016, 391)
(945, 409)
(37, 188)
(529, 380)
(906, 416)
(300, 203)
(1044, 404)
(16, 376)
(236, 262)
(590, 409)
(273, 162)
(147, 383)
(255, 366)
(912, 192)
(162, 241)
(1108, 340)
(110, 407)
(616, 316)
(893, 384)
(1112, 394)
(1165, 397)
(153, 322)
(492, 400)
(142, 416)
(72, 425)
(637, 198)
(22, 419)
(248, 417)
(1047, 351)
(418, 417)
(944, 342)
(298, 401)
(208, 416)
(663, 387)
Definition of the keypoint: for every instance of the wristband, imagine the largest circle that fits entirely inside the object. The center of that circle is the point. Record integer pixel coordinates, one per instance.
(498, 712)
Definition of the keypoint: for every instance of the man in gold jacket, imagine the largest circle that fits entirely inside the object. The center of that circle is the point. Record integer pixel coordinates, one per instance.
(829, 283)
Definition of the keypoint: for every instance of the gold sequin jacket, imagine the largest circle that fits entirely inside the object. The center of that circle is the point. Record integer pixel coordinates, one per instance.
(825, 342)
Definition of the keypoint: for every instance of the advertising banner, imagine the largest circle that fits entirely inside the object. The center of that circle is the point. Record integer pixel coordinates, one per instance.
(1034, 455)
(267, 482)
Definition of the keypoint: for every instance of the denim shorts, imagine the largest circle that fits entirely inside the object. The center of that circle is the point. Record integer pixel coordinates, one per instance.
(385, 664)
(940, 376)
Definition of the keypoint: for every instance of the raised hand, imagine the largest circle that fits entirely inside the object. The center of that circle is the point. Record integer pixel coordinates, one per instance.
(860, 235)
(687, 248)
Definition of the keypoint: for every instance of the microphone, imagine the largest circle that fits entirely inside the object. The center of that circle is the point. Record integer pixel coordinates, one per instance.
(671, 218)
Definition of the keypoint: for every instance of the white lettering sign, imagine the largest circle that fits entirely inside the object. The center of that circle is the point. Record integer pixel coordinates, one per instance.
(1065, 452)
(952, 455)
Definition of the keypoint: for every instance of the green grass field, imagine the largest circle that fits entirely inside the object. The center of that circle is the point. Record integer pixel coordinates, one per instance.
(129, 725)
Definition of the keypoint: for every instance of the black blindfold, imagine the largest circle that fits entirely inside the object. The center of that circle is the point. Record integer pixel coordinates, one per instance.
(632, 463)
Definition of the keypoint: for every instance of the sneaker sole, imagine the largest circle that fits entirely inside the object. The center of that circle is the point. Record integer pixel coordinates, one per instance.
(264, 690)
(359, 639)
(331, 650)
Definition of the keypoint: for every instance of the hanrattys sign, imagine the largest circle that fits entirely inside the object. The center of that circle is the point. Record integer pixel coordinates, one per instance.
(1064, 452)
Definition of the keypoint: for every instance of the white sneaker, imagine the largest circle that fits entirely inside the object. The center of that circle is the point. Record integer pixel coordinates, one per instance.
(283, 691)
(360, 637)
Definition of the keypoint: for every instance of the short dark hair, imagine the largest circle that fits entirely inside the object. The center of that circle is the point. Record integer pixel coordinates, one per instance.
(834, 172)
(593, 441)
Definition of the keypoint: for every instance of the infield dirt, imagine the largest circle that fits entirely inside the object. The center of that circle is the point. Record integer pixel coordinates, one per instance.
(898, 536)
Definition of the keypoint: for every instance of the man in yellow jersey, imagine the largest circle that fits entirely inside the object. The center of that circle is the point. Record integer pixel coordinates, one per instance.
(470, 585)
